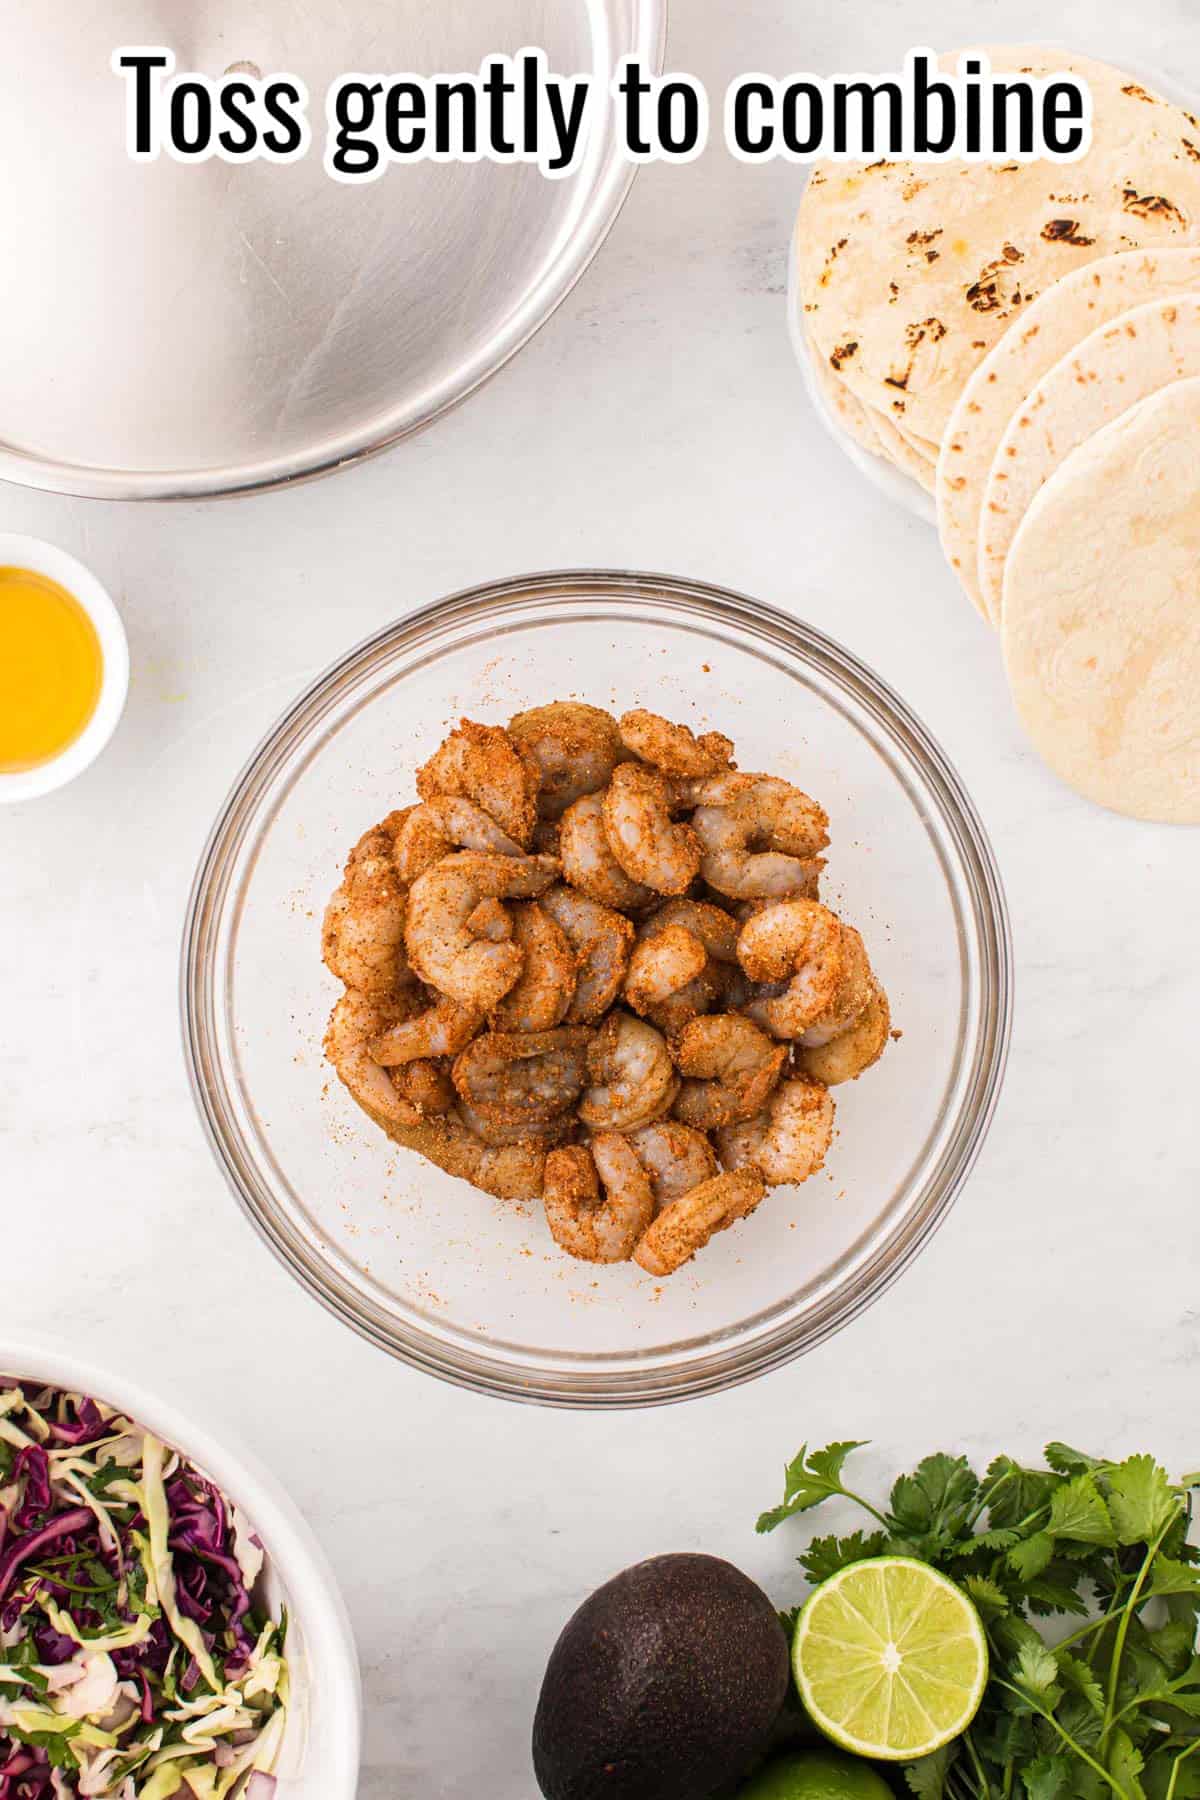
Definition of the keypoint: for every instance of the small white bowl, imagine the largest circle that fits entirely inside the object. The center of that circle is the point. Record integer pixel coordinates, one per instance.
(322, 1745)
(47, 559)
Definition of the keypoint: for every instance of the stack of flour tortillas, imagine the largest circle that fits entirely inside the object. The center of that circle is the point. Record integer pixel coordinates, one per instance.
(1024, 341)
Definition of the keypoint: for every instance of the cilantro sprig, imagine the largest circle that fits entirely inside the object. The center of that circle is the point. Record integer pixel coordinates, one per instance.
(1089, 1592)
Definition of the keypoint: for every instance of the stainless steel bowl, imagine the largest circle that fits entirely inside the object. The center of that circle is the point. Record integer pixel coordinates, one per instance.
(473, 1290)
(173, 331)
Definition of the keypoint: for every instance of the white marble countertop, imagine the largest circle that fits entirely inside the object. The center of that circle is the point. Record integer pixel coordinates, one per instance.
(658, 422)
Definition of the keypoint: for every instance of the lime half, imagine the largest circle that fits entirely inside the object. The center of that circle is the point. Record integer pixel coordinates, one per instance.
(890, 1658)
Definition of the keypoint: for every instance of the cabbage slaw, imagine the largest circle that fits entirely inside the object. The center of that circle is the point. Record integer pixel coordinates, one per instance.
(135, 1661)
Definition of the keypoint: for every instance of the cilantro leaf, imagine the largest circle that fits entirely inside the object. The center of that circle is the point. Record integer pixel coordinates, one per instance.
(1075, 1675)
(1047, 1776)
(1141, 1500)
(991, 1602)
(1169, 1577)
(808, 1480)
(826, 1555)
(1066, 1461)
(926, 1777)
(1125, 1764)
(1077, 1511)
(1013, 1494)
(1028, 1559)
(935, 1495)
(1035, 1674)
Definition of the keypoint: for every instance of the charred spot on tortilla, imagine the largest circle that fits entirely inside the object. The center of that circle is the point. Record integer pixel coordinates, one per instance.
(1065, 231)
(1148, 206)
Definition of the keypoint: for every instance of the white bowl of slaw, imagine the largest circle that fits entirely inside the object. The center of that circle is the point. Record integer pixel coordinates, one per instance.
(322, 1743)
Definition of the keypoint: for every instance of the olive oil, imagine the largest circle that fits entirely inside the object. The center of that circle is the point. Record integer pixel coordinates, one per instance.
(51, 669)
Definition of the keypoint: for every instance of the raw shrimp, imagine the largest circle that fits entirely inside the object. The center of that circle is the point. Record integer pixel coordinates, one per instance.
(711, 924)
(601, 940)
(731, 1067)
(427, 1084)
(687, 1224)
(649, 846)
(493, 1131)
(576, 748)
(542, 996)
(673, 748)
(759, 836)
(661, 965)
(482, 763)
(675, 1157)
(588, 862)
(444, 823)
(581, 1223)
(513, 1077)
(355, 1023)
(490, 920)
(443, 1029)
(510, 1171)
(362, 937)
(843, 1058)
(438, 939)
(632, 1077)
(788, 1141)
(816, 968)
(710, 930)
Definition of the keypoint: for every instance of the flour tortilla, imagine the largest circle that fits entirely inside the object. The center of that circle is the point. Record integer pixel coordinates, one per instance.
(1123, 362)
(1057, 321)
(922, 446)
(1102, 613)
(846, 407)
(899, 451)
(910, 272)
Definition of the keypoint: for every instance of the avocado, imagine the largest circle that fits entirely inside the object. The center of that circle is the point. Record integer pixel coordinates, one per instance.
(664, 1686)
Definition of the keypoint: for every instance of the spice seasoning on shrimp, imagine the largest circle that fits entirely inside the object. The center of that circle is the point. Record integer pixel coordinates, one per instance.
(591, 967)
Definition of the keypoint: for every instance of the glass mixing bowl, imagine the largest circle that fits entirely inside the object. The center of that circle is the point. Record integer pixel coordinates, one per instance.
(470, 1288)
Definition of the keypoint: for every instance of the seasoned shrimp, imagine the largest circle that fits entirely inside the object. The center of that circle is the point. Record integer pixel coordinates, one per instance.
(427, 1084)
(355, 1023)
(788, 1141)
(708, 932)
(510, 1171)
(815, 967)
(759, 836)
(438, 938)
(493, 1131)
(444, 823)
(689, 1222)
(581, 1222)
(675, 1157)
(673, 748)
(362, 937)
(844, 1058)
(542, 996)
(633, 1079)
(576, 748)
(731, 1067)
(588, 862)
(711, 924)
(661, 965)
(490, 920)
(443, 1029)
(515, 1076)
(649, 846)
(482, 763)
(601, 940)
